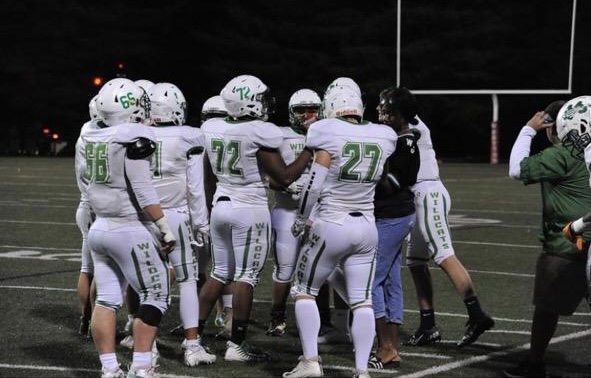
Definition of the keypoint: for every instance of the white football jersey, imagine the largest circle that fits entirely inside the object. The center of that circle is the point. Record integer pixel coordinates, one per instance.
(80, 160)
(108, 190)
(178, 184)
(358, 152)
(292, 146)
(231, 149)
(429, 169)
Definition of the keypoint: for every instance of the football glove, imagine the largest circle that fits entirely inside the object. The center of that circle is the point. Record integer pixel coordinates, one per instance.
(299, 227)
(577, 239)
(202, 235)
(295, 189)
(167, 239)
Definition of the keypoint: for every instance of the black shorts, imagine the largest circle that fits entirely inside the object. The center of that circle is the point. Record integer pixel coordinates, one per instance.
(560, 284)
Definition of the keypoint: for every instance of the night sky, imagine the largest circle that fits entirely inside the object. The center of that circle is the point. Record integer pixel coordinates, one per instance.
(51, 51)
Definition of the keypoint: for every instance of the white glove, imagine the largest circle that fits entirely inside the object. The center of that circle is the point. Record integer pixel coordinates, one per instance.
(168, 240)
(202, 235)
(299, 227)
(295, 189)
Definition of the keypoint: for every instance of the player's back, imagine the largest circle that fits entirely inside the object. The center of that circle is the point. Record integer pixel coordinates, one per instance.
(429, 169)
(232, 151)
(169, 165)
(80, 159)
(105, 151)
(358, 153)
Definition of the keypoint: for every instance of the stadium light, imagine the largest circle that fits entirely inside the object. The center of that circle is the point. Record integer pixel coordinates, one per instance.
(97, 81)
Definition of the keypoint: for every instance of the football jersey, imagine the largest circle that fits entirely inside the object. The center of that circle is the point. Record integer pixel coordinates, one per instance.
(429, 169)
(588, 160)
(358, 153)
(170, 169)
(108, 190)
(231, 149)
(292, 146)
(80, 160)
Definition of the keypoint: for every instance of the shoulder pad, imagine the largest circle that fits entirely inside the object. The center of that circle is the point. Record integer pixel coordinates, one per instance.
(197, 150)
(140, 148)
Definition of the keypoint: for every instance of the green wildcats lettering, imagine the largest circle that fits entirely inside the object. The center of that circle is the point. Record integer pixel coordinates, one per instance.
(441, 231)
(297, 148)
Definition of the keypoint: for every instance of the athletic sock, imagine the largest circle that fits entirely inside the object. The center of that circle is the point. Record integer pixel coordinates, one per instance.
(308, 321)
(239, 328)
(473, 307)
(109, 361)
(427, 319)
(278, 313)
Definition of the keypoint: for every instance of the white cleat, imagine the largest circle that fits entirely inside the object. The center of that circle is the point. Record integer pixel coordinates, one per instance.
(306, 368)
(135, 372)
(112, 373)
(196, 354)
(361, 374)
(127, 342)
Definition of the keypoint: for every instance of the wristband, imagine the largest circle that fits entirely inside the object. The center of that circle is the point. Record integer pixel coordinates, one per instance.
(163, 225)
(578, 226)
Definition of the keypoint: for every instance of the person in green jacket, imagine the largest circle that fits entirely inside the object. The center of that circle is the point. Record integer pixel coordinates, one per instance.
(560, 280)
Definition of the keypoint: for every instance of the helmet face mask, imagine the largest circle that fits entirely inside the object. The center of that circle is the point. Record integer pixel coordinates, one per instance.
(168, 104)
(120, 100)
(247, 96)
(303, 105)
(573, 125)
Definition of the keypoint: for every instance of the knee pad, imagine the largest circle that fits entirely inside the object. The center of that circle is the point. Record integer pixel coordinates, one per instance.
(283, 275)
(150, 315)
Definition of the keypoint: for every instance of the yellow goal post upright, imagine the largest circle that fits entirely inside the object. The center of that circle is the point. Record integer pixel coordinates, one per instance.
(494, 125)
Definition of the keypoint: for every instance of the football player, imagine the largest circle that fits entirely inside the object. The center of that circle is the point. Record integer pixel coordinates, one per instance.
(130, 225)
(303, 105)
(349, 155)
(431, 239)
(240, 148)
(84, 218)
(177, 176)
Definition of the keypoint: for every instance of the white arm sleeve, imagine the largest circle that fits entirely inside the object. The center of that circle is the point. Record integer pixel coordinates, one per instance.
(311, 190)
(520, 150)
(139, 176)
(196, 191)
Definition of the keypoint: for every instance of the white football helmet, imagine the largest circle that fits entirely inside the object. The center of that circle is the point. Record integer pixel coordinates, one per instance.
(343, 102)
(120, 100)
(573, 125)
(213, 107)
(343, 82)
(247, 95)
(301, 102)
(144, 84)
(168, 104)
(92, 108)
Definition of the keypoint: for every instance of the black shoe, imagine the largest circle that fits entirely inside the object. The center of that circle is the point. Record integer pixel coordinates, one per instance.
(424, 337)
(526, 369)
(474, 329)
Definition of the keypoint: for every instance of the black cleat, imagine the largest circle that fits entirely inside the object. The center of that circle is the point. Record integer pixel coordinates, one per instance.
(474, 329)
(526, 369)
(424, 337)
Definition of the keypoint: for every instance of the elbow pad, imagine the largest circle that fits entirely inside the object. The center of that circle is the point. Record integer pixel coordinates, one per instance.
(140, 148)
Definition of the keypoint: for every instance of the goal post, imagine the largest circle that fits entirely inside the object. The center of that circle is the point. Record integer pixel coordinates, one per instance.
(494, 93)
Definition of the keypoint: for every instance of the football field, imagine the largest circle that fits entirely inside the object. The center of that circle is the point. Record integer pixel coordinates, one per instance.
(495, 222)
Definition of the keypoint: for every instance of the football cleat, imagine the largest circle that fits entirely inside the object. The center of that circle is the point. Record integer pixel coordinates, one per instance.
(424, 337)
(135, 372)
(331, 335)
(361, 374)
(276, 328)
(244, 353)
(196, 354)
(474, 329)
(306, 368)
(112, 373)
(127, 342)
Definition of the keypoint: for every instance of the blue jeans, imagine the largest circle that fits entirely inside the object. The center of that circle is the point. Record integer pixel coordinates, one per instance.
(387, 296)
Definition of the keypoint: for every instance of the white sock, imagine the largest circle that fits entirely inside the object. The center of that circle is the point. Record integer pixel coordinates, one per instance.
(109, 361)
(227, 300)
(363, 332)
(142, 359)
(308, 321)
(189, 304)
